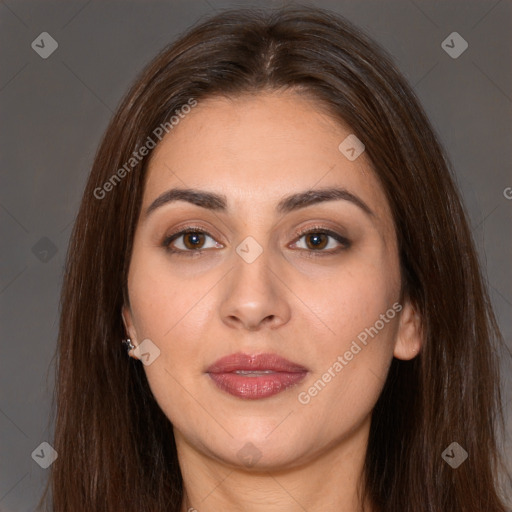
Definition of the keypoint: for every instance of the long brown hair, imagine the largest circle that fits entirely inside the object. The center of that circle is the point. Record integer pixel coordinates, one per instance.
(116, 447)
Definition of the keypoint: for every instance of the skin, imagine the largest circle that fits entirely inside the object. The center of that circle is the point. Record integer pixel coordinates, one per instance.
(255, 149)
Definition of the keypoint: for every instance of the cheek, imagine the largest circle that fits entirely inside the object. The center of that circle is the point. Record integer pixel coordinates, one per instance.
(174, 313)
(160, 300)
(344, 303)
(355, 325)
(170, 314)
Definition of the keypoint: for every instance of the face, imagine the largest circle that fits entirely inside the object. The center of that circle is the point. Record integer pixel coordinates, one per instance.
(269, 326)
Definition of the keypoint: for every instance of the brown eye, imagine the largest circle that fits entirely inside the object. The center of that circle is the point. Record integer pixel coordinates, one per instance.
(316, 240)
(321, 241)
(193, 240)
(189, 241)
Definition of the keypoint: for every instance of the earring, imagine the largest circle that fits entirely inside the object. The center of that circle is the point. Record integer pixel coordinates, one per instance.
(128, 344)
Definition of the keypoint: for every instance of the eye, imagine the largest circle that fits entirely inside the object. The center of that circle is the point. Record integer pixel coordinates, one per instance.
(189, 240)
(322, 240)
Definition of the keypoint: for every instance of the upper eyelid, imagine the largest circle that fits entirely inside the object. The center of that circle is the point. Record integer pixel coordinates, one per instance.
(298, 234)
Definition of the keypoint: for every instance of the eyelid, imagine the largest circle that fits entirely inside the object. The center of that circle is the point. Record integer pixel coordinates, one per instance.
(183, 231)
(343, 241)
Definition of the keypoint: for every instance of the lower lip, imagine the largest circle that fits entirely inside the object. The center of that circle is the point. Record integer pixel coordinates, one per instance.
(255, 387)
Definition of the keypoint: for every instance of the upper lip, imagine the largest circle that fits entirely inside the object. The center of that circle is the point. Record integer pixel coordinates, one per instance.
(258, 362)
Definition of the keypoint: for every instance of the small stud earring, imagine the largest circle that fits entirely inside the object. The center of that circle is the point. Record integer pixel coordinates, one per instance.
(128, 345)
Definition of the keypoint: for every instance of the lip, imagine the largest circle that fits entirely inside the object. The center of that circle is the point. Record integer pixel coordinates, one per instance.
(266, 375)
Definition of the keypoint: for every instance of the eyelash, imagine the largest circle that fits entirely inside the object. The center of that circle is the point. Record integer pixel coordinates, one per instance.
(345, 243)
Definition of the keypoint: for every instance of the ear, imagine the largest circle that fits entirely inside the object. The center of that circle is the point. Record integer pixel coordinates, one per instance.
(129, 327)
(410, 335)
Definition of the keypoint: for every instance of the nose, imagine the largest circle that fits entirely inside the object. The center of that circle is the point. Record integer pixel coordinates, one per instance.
(255, 296)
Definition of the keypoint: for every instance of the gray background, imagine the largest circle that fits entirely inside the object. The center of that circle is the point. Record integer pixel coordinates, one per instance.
(55, 110)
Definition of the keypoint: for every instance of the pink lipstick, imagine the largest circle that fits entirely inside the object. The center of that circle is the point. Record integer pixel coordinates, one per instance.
(255, 376)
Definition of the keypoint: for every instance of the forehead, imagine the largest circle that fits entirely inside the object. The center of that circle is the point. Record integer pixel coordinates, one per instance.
(257, 148)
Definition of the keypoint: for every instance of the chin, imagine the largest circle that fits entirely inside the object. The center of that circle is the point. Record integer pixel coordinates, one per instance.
(255, 451)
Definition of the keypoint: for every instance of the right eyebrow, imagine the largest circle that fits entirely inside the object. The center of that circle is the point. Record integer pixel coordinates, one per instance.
(296, 201)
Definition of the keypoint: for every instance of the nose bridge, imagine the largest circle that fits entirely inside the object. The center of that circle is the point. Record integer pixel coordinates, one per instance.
(253, 265)
(254, 293)
(251, 276)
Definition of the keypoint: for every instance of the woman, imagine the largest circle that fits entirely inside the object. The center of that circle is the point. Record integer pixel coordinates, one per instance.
(271, 229)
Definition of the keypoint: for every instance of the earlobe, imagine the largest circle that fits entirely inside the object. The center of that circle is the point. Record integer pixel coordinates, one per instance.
(129, 328)
(410, 334)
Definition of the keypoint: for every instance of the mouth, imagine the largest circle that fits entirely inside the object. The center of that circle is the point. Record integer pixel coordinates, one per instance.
(252, 377)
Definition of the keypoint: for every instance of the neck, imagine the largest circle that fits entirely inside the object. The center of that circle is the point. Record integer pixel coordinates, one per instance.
(328, 481)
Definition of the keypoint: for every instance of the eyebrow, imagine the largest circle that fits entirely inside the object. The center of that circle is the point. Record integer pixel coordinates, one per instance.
(293, 202)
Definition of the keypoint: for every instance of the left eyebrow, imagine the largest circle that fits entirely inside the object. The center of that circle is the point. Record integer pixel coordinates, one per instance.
(293, 202)
(314, 196)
